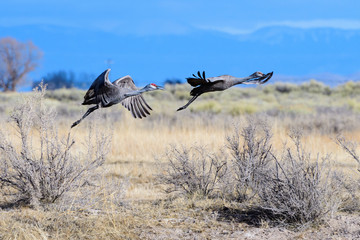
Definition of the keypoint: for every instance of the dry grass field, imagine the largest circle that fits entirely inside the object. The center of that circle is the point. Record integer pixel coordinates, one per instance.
(125, 198)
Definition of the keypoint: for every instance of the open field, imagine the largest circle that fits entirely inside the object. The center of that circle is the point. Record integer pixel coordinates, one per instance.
(128, 202)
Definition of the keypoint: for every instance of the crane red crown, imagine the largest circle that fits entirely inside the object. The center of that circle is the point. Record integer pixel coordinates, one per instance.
(153, 84)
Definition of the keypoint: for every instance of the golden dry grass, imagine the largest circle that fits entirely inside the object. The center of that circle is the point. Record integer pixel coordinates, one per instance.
(136, 155)
(139, 145)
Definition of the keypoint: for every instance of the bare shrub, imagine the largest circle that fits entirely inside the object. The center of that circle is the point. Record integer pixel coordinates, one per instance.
(352, 186)
(327, 120)
(350, 148)
(249, 148)
(314, 86)
(300, 189)
(192, 171)
(42, 166)
(17, 59)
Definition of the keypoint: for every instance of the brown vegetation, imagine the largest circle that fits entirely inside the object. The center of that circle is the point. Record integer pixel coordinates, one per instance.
(228, 173)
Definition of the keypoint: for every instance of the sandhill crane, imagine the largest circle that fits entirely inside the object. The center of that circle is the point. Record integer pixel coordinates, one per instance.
(203, 84)
(104, 94)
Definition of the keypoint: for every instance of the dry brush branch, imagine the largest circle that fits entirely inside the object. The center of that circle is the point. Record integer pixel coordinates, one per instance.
(192, 170)
(42, 175)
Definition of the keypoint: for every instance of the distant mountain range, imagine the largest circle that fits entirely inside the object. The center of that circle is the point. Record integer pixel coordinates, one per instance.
(329, 79)
(294, 54)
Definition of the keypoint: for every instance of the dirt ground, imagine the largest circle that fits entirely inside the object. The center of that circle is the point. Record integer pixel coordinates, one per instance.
(342, 226)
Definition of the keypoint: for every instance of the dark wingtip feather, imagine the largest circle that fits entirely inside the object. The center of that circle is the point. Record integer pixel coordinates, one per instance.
(145, 103)
(143, 106)
(132, 110)
(140, 108)
(267, 77)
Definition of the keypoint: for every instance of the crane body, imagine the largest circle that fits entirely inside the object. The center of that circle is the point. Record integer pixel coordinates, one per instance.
(105, 94)
(221, 83)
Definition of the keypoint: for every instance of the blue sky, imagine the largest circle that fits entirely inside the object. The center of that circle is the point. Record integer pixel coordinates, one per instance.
(149, 30)
(181, 17)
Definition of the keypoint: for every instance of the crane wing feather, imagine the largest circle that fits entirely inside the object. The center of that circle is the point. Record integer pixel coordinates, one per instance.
(144, 107)
(100, 90)
(137, 106)
(125, 82)
(141, 98)
(140, 108)
(201, 79)
(132, 110)
(259, 80)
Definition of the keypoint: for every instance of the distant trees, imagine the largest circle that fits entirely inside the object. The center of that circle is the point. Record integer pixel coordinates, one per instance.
(65, 79)
(55, 80)
(172, 81)
(17, 59)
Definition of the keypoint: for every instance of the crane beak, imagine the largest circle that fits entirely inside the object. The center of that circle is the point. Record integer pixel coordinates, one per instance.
(160, 88)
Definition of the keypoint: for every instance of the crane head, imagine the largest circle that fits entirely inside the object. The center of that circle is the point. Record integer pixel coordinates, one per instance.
(152, 87)
(257, 74)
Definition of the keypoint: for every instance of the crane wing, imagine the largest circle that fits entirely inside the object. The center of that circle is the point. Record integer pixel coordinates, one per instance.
(99, 90)
(137, 106)
(125, 82)
(201, 79)
(259, 80)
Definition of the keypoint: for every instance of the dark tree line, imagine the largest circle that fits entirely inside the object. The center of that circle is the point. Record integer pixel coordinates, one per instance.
(55, 80)
(65, 79)
(172, 81)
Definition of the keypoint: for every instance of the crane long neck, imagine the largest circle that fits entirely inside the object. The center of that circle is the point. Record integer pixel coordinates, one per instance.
(135, 92)
(236, 81)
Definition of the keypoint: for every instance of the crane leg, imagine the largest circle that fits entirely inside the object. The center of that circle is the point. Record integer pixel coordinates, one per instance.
(90, 110)
(190, 101)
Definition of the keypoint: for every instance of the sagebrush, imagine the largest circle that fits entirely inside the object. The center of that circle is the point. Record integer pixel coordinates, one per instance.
(42, 166)
(300, 188)
(194, 170)
(290, 187)
(250, 149)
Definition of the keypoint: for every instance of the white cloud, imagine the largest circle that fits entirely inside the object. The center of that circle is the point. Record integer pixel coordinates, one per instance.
(319, 23)
(226, 29)
(23, 21)
(116, 26)
(158, 26)
(305, 24)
